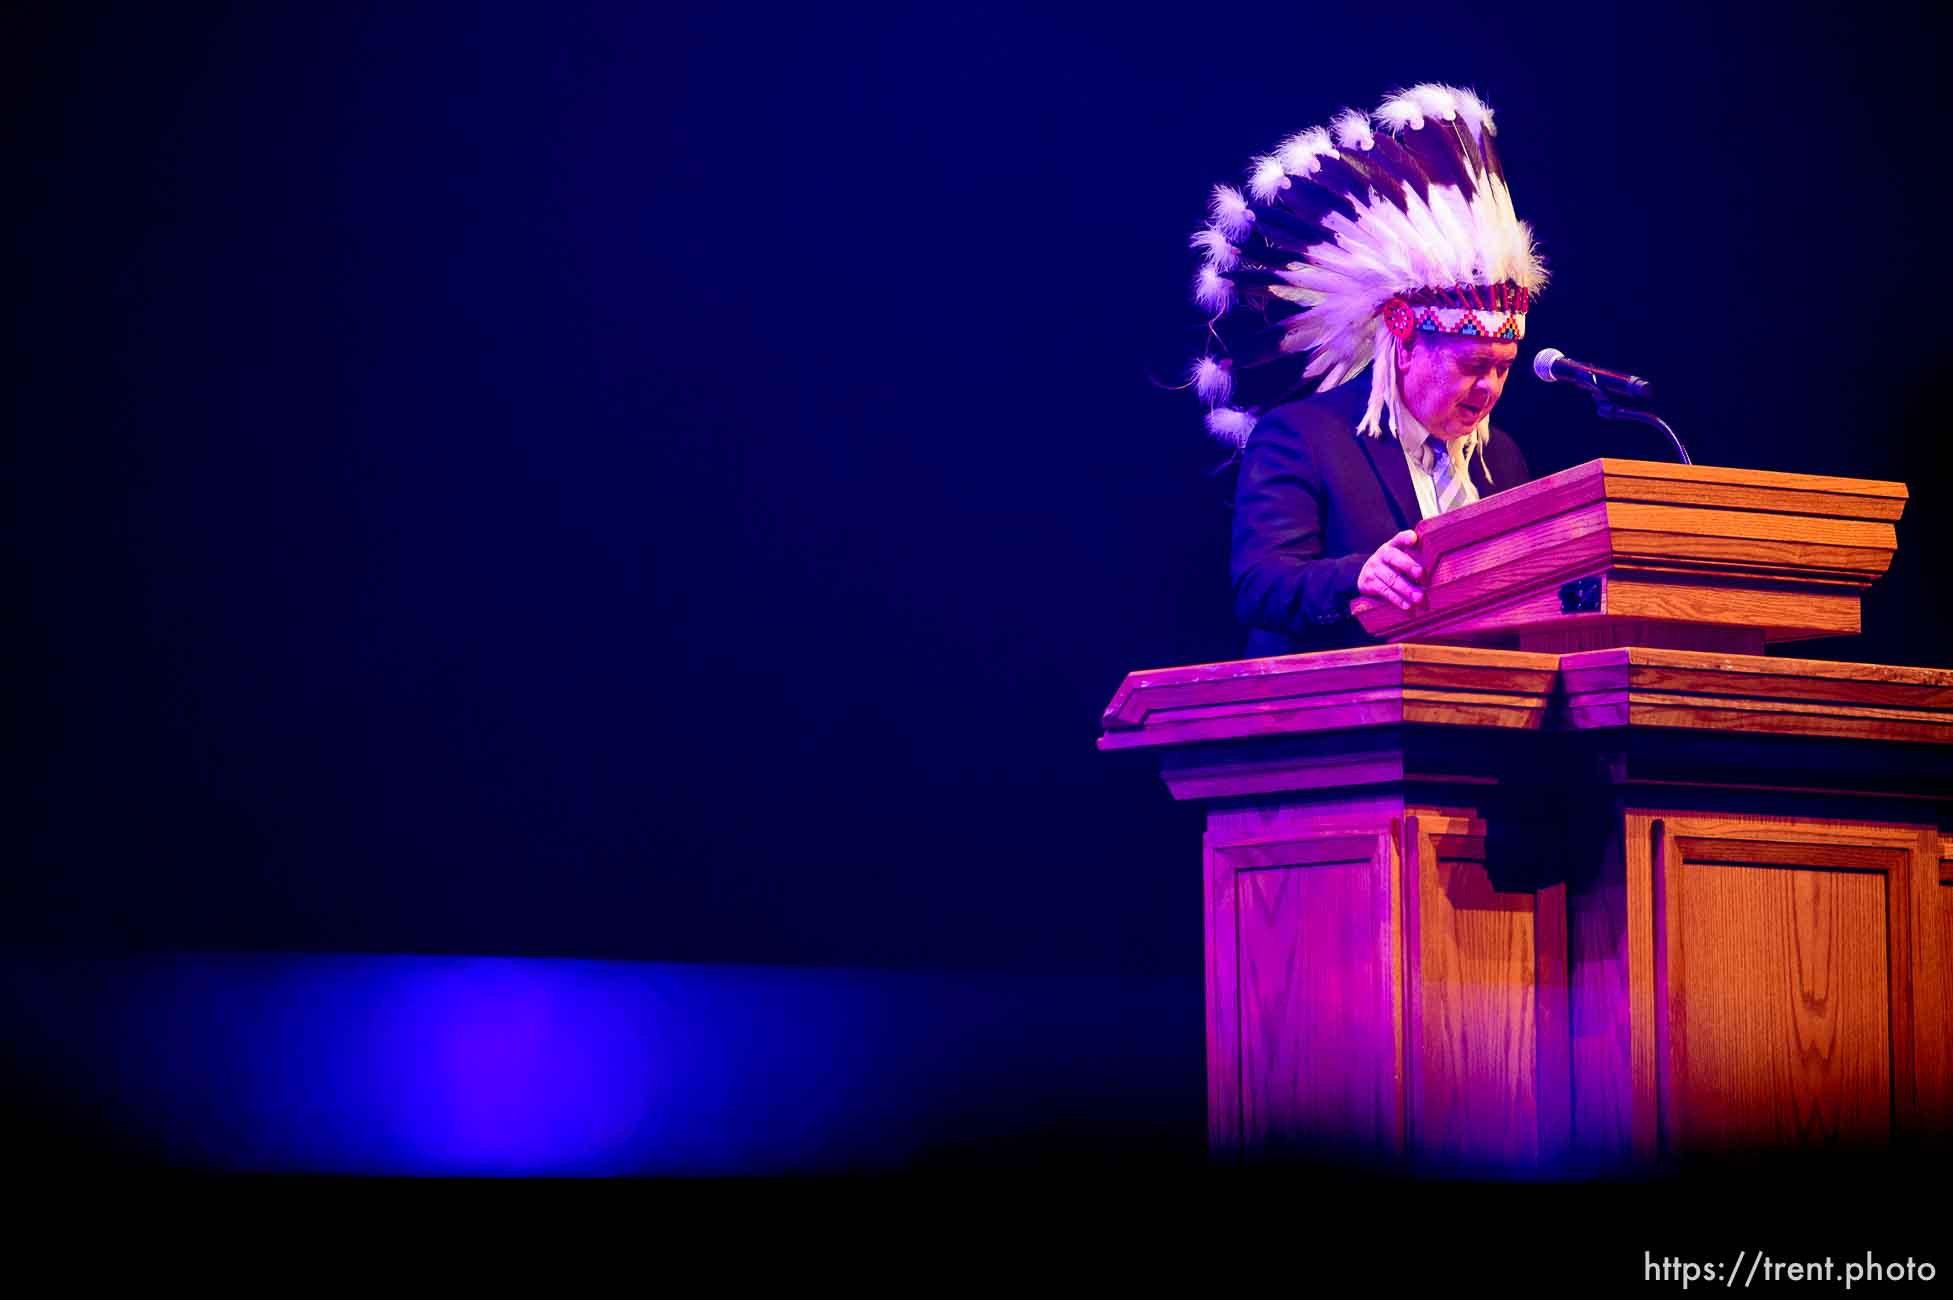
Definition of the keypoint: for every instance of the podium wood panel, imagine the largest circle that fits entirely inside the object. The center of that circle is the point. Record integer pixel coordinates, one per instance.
(1331, 691)
(1487, 1024)
(1492, 910)
(1378, 991)
(1759, 981)
(1778, 1031)
(1645, 687)
(1304, 1025)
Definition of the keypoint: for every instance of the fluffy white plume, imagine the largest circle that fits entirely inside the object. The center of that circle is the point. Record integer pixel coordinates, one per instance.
(1477, 116)
(1400, 111)
(1213, 380)
(1267, 179)
(1230, 424)
(1352, 128)
(1230, 212)
(1213, 246)
(1213, 291)
(1301, 153)
(1435, 101)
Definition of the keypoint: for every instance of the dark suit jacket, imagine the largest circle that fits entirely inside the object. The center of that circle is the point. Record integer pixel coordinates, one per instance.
(1315, 500)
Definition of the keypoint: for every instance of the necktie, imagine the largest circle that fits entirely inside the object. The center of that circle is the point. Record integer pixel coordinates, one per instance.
(1447, 480)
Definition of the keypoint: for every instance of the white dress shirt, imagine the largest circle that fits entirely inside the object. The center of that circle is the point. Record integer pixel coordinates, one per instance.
(1412, 436)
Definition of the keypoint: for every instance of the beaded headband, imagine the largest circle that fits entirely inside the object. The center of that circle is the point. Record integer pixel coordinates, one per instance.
(1495, 312)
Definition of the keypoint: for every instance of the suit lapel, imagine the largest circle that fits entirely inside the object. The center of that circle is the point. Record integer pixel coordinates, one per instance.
(1478, 474)
(1387, 462)
(1481, 472)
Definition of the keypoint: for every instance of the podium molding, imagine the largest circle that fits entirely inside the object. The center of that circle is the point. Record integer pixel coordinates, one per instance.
(1480, 908)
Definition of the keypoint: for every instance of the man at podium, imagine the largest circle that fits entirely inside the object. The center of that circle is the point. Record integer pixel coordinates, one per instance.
(1387, 242)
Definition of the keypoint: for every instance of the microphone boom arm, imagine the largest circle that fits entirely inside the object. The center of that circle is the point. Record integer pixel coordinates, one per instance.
(1611, 410)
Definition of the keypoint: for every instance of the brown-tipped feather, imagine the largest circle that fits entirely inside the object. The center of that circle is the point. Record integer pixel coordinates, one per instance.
(1251, 340)
(1401, 163)
(1490, 150)
(1309, 202)
(1367, 174)
(1438, 148)
(1256, 251)
(1469, 145)
(1279, 226)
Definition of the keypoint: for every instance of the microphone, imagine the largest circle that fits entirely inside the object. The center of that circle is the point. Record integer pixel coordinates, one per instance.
(1609, 389)
(1553, 365)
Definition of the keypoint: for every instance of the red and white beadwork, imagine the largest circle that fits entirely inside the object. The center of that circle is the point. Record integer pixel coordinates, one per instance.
(1496, 311)
(1469, 321)
(1398, 318)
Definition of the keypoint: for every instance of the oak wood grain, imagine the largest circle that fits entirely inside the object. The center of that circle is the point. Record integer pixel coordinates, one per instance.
(1747, 490)
(1475, 1034)
(1313, 982)
(1335, 690)
(1694, 980)
(1601, 952)
(1223, 1020)
(1646, 918)
(1932, 987)
(1720, 547)
(1605, 631)
(1778, 1023)
(1862, 498)
(1646, 687)
(1466, 686)
(1637, 518)
(1772, 677)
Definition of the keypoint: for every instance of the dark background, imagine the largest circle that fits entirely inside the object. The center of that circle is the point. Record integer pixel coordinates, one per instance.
(588, 481)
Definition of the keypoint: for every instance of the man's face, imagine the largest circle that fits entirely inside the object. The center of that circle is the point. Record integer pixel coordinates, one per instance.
(1452, 382)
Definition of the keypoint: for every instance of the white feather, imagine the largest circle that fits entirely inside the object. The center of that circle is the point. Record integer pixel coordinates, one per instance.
(1383, 387)
(1213, 380)
(1267, 179)
(1452, 215)
(1475, 112)
(1400, 111)
(1352, 128)
(1213, 246)
(1289, 293)
(1213, 291)
(1230, 212)
(1230, 424)
(1301, 153)
(1434, 100)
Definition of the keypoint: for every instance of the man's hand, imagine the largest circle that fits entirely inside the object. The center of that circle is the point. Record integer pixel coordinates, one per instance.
(1391, 574)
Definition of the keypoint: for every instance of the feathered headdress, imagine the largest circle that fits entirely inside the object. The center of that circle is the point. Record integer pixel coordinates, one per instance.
(1351, 235)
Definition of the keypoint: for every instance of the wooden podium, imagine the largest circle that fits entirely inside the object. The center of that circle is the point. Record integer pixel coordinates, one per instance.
(1570, 876)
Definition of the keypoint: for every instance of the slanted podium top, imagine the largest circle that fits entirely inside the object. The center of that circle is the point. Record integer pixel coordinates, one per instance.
(1330, 690)
(1450, 687)
(1629, 552)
